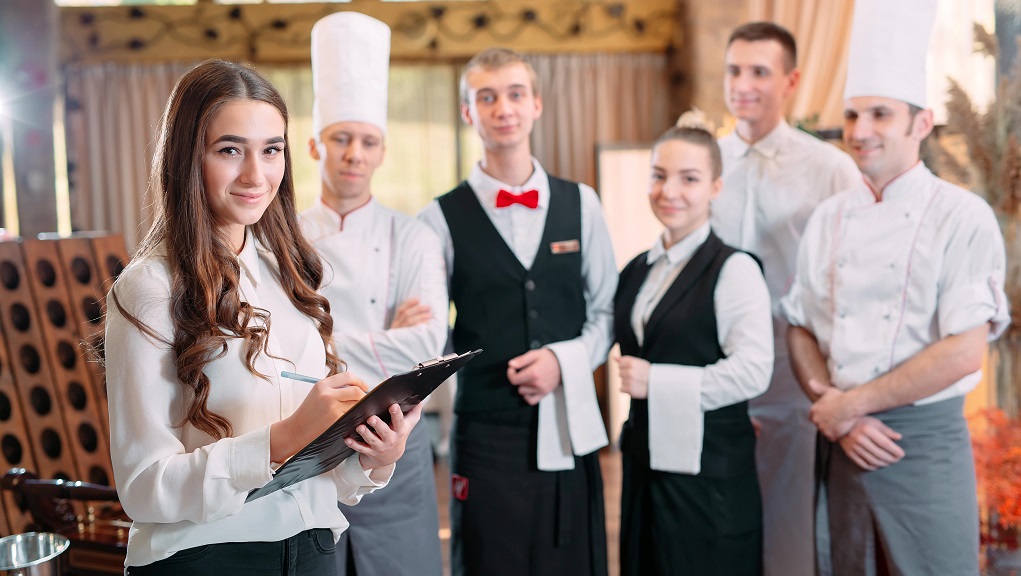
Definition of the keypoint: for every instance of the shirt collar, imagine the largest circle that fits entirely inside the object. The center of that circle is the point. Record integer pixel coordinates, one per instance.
(903, 187)
(249, 258)
(769, 145)
(680, 252)
(486, 187)
(353, 220)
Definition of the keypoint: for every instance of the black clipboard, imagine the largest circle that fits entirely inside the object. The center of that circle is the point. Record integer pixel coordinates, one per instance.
(328, 450)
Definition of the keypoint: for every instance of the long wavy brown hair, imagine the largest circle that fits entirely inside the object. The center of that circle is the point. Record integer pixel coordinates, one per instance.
(206, 308)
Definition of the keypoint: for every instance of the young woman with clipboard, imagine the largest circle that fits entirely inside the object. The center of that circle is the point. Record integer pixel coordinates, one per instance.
(220, 298)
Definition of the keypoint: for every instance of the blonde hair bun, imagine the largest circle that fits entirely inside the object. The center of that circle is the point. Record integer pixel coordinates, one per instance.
(696, 119)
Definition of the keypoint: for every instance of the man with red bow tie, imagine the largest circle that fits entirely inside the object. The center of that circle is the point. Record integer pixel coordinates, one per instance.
(532, 274)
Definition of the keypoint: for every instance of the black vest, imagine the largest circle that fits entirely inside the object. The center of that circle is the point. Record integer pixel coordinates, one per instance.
(682, 330)
(503, 308)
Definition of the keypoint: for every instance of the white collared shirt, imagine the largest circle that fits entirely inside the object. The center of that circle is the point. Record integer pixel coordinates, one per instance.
(181, 487)
(679, 395)
(877, 282)
(769, 190)
(375, 258)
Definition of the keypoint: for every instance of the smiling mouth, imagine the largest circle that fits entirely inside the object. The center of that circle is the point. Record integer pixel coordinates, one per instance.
(246, 196)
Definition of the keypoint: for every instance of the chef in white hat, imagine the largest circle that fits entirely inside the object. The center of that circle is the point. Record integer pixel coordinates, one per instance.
(899, 287)
(386, 283)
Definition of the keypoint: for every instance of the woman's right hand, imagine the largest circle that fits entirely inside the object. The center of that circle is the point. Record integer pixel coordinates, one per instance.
(328, 400)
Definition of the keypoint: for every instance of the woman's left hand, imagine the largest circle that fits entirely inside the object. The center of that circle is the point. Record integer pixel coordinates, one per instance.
(634, 376)
(383, 445)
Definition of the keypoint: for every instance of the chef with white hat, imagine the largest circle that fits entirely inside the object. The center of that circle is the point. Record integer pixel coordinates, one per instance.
(899, 287)
(385, 280)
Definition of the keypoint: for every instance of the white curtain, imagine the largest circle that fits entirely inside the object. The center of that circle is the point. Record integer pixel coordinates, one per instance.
(113, 111)
(112, 114)
(589, 99)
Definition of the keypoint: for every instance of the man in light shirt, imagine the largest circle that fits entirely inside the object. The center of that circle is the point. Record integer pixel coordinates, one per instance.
(385, 283)
(532, 276)
(899, 286)
(773, 177)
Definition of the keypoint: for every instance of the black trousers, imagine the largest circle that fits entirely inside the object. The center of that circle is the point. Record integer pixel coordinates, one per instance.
(507, 518)
(309, 553)
(677, 524)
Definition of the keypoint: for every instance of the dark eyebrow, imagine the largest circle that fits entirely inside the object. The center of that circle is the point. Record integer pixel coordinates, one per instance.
(239, 140)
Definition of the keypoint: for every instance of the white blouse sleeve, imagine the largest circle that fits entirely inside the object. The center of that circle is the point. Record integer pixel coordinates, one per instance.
(745, 330)
(157, 479)
(679, 395)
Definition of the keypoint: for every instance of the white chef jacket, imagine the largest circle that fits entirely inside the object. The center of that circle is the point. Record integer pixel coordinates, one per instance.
(679, 395)
(374, 259)
(877, 282)
(182, 488)
(521, 228)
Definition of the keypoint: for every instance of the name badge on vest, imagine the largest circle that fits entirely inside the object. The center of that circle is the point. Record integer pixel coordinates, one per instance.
(564, 246)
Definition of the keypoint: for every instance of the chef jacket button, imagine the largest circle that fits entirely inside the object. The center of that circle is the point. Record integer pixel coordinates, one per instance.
(875, 370)
(840, 263)
(535, 344)
(533, 314)
(530, 285)
(840, 367)
(372, 301)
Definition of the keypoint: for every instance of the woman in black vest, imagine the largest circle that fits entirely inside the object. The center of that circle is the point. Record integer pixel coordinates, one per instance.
(693, 322)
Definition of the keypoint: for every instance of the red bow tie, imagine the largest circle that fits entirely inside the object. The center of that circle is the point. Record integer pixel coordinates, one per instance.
(528, 199)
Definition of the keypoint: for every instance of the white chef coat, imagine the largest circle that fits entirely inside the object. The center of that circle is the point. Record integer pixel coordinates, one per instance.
(679, 395)
(879, 281)
(521, 228)
(182, 488)
(376, 258)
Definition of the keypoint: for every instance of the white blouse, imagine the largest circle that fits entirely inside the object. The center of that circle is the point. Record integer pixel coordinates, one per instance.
(182, 488)
(877, 282)
(680, 395)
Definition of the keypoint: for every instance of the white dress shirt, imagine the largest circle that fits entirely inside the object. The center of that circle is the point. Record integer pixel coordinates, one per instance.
(376, 258)
(521, 228)
(181, 487)
(679, 395)
(769, 190)
(877, 282)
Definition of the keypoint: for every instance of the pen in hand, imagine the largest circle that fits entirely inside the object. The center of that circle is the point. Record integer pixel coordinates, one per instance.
(303, 378)
(299, 377)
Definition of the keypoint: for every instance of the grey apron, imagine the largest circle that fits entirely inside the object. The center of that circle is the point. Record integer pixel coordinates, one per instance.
(395, 531)
(919, 516)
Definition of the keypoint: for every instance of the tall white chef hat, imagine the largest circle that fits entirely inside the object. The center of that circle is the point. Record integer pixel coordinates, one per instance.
(350, 68)
(889, 41)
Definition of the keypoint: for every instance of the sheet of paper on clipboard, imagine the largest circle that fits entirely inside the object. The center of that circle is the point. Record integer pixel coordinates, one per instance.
(329, 450)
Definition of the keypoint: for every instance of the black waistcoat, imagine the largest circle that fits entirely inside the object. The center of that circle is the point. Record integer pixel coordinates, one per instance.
(682, 330)
(503, 308)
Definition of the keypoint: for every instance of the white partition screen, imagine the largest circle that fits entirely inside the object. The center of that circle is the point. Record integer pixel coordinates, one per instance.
(623, 184)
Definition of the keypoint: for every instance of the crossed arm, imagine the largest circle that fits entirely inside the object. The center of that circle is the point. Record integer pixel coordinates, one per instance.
(843, 416)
